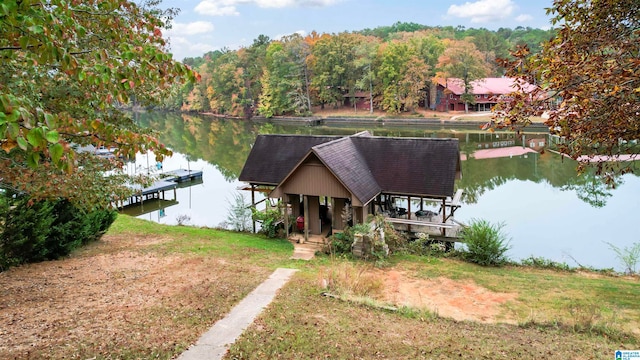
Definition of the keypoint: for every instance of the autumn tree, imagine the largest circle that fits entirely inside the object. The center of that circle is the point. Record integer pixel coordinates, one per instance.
(429, 49)
(462, 62)
(285, 80)
(592, 66)
(403, 77)
(226, 89)
(332, 67)
(252, 61)
(364, 62)
(65, 66)
(299, 51)
(491, 45)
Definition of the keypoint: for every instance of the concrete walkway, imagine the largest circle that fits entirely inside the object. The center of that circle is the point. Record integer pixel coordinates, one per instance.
(215, 342)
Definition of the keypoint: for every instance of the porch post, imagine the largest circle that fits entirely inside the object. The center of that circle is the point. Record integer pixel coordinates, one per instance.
(285, 201)
(253, 204)
(409, 212)
(306, 218)
(444, 214)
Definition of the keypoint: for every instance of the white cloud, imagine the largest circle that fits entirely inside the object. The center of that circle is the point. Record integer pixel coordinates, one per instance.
(182, 47)
(192, 28)
(189, 39)
(299, 32)
(483, 11)
(229, 7)
(216, 8)
(524, 18)
(291, 3)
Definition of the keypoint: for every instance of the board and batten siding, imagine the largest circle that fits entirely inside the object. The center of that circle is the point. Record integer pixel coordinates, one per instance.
(313, 178)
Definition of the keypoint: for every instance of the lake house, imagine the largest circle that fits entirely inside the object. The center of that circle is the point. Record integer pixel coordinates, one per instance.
(487, 92)
(330, 181)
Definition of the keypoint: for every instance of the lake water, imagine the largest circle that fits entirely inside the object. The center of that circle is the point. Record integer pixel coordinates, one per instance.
(548, 210)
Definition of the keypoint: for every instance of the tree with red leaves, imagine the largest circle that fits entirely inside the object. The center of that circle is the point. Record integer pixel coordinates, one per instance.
(65, 68)
(592, 69)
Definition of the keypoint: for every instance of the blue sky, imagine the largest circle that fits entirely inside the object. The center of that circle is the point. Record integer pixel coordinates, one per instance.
(205, 25)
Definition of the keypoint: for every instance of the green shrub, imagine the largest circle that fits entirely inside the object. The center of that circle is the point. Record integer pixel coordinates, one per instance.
(271, 221)
(396, 241)
(46, 230)
(628, 256)
(377, 249)
(423, 246)
(419, 246)
(485, 243)
(99, 222)
(239, 215)
(340, 243)
(543, 263)
(25, 232)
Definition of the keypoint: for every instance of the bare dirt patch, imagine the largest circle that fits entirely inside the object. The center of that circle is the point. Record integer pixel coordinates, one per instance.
(459, 300)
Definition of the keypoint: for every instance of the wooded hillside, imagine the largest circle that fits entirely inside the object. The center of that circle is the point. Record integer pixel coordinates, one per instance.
(390, 67)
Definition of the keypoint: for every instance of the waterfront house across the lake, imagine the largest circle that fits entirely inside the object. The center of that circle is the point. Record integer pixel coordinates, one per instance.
(329, 181)
(487, 92)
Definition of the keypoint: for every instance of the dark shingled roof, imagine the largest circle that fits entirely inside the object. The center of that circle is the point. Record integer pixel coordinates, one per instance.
(367, 165)
(421, 166)
(272, 157)
(346, 162)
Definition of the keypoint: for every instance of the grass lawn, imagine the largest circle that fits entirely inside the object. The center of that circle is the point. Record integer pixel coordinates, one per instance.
(301, 324)
(555, 319)
(143, 291)
(149, 291)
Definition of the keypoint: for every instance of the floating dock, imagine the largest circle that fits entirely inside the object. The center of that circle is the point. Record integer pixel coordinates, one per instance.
(150, 205)
(182, 175)
(171, 180)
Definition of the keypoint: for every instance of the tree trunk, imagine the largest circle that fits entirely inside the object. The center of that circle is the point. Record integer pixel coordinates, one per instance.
(433, 94)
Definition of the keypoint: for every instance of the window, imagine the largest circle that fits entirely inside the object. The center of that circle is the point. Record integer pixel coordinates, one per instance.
(450, 96)
(486, 96)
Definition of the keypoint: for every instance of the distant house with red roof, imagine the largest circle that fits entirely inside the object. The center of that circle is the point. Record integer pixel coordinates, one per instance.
(487, 93)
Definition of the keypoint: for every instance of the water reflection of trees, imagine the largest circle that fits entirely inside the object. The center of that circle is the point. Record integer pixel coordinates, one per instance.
(226, 144)
(480, 176)
(592, 188)
(223, 143)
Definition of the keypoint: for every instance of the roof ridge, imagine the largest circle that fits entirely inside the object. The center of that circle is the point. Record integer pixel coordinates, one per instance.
(413, 138)
(328, 143)
(301, 135)
(360, 161)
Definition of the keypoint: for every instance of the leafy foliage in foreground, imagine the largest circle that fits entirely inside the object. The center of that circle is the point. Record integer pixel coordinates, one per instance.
(592, 69)
(46, 230)
(65, 68)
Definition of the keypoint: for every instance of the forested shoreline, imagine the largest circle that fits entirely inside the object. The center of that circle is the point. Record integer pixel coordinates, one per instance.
(392, 67)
